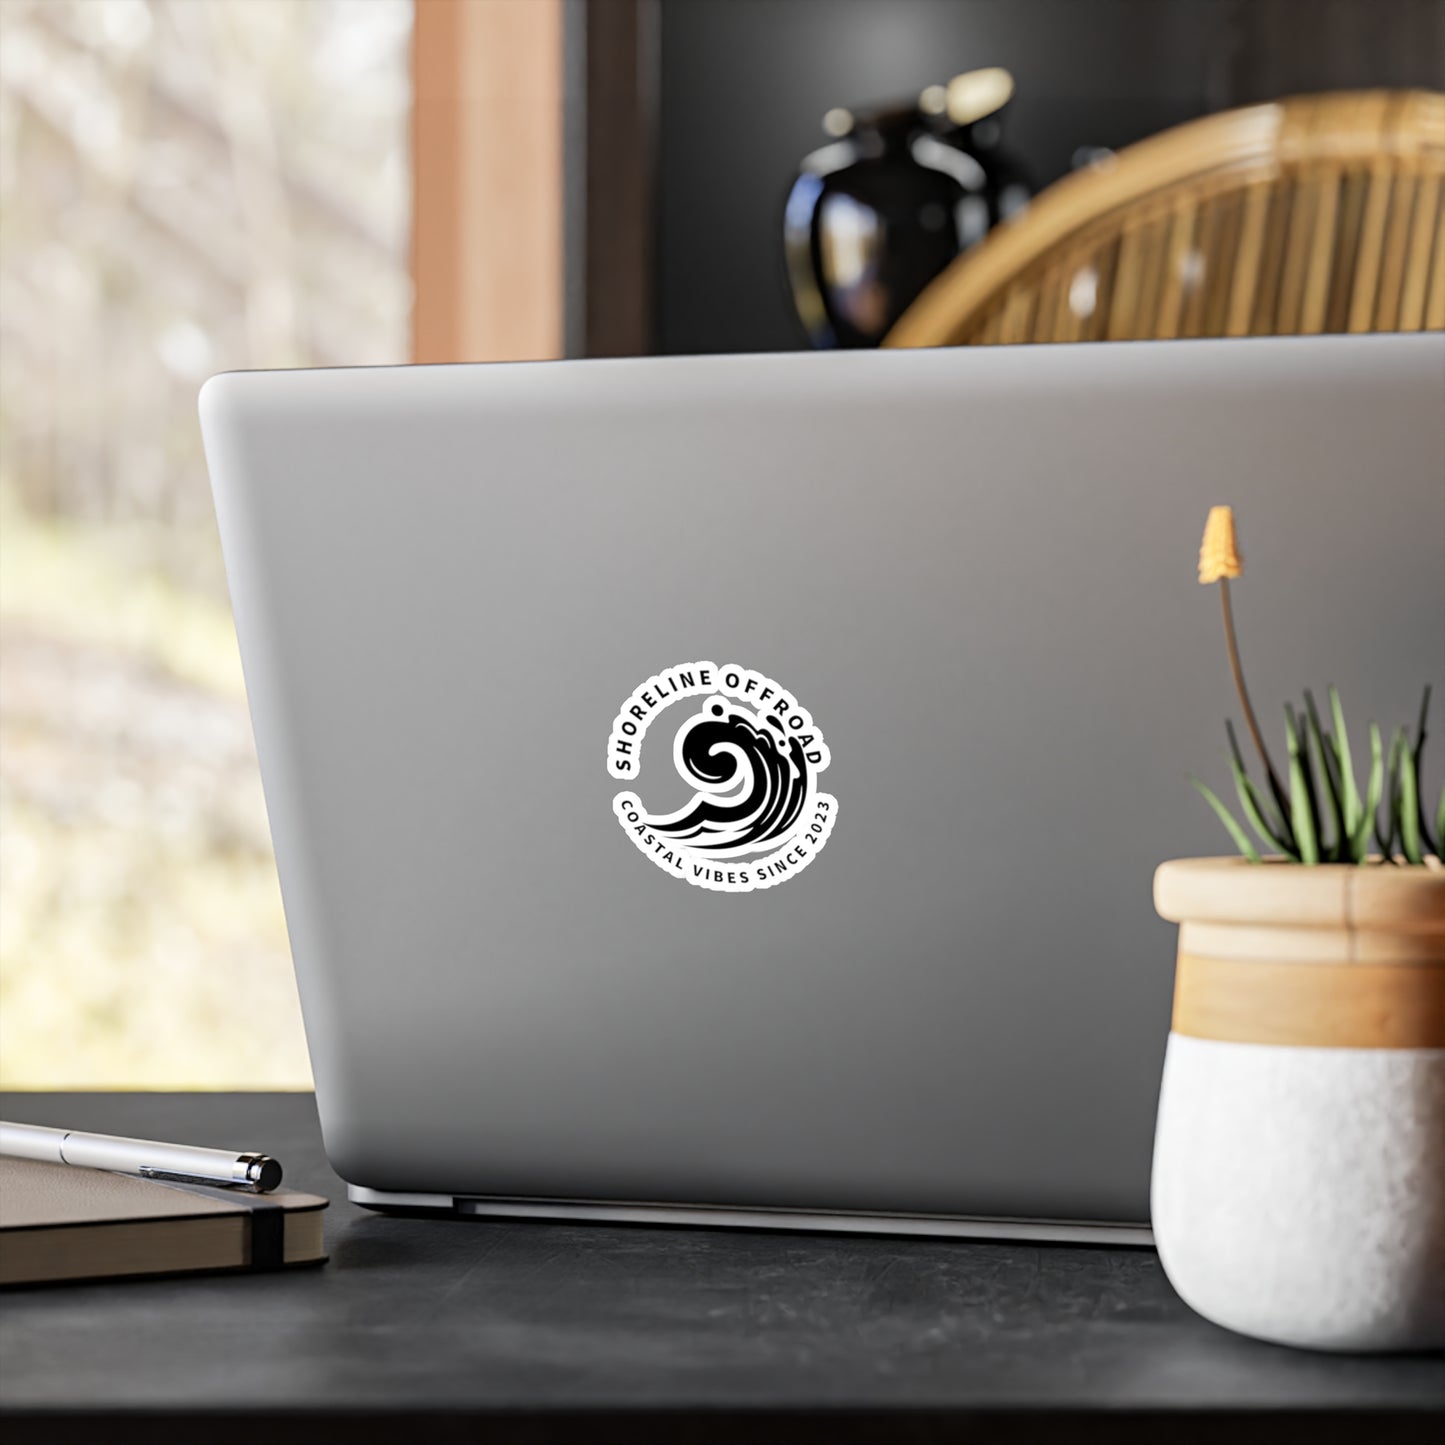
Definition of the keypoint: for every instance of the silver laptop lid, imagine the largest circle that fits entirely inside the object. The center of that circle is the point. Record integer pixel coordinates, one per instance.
(927, 976)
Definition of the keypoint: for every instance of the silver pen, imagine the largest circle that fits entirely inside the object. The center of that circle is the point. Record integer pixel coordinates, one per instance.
(180, 1163)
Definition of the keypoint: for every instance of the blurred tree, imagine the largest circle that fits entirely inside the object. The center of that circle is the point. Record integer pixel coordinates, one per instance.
(186, 186)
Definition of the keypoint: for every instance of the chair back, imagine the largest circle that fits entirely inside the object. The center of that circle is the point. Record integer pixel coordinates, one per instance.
(1319, 213)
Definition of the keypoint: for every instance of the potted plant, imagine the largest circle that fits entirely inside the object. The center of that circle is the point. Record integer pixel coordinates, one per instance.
(1299, 1165)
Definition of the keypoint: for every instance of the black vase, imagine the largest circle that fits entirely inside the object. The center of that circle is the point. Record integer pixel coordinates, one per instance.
(875, 216)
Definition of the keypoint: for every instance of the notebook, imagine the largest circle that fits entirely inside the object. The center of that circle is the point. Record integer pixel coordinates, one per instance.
(59, 1223)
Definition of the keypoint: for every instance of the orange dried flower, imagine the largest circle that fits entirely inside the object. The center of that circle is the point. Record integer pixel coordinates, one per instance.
(1219, 552)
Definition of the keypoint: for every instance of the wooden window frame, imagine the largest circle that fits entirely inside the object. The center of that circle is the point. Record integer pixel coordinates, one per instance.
(532, 166)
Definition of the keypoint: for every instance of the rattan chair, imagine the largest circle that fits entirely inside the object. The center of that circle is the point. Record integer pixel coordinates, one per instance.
(1321, 213)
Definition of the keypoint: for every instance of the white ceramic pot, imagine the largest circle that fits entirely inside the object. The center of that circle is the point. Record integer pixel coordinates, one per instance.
(1299, 1162)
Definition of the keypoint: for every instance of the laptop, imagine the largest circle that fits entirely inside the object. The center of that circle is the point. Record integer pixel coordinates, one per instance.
(727, 789)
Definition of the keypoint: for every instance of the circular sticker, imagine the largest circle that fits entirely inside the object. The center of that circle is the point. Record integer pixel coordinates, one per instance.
(750, 755)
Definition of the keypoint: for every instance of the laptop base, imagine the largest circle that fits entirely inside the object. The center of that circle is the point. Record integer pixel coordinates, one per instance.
(942, 1226)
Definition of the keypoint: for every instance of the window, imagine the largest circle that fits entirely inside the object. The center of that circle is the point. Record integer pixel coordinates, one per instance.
(186, 188)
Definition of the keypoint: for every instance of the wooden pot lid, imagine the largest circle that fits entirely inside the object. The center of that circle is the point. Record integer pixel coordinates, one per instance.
(1380, 897)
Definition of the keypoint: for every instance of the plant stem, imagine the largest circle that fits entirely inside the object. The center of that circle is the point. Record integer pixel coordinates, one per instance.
(1250, 720)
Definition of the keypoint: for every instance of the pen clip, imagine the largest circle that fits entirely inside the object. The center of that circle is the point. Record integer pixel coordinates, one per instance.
(171, 1176)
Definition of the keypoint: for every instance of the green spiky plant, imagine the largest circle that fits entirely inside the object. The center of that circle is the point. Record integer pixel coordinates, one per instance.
(1320, 815)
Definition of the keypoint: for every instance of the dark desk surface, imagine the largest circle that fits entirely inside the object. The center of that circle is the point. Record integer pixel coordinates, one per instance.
(540, 1332)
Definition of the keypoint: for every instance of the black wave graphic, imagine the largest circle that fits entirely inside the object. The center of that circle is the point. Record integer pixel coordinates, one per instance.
(752, 782)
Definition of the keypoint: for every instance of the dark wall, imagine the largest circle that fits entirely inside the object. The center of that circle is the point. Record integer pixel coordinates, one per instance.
(743, 84)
